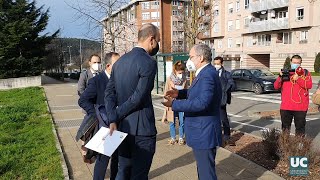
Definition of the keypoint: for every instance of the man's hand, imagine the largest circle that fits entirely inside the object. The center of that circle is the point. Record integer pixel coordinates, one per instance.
(295, 77)
(168, 103)
(280, 73)
(112, 127)
(172, 93)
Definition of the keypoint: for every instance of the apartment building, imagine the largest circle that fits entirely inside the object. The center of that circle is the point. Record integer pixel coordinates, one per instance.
(121, 28)
(262, 33)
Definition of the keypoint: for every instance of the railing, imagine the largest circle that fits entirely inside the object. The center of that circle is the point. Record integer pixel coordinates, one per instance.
(269, 25)
(267, 4)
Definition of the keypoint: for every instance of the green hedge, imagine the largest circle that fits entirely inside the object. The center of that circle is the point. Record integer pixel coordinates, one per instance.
(27, 143)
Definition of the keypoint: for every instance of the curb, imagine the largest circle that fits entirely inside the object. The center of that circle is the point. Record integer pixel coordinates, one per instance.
(58, 142)
(251, 162)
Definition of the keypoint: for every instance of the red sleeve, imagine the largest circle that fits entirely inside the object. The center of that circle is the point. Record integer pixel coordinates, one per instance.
(306, 82)
(277, 83)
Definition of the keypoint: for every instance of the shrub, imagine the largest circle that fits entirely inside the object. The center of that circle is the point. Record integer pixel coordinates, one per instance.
(270, 141)
(317, 63)
(286, 64)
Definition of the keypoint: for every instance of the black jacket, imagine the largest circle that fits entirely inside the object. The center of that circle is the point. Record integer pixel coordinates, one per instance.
(227, 86)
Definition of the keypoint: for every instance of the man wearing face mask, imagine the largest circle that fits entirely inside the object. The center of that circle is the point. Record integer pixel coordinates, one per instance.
(201, 106)
(95, 68)
(129, 103)
(294, 97)
(227, 85)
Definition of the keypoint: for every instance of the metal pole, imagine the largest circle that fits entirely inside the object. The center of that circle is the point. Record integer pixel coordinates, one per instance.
(69, 53)
(80, 56)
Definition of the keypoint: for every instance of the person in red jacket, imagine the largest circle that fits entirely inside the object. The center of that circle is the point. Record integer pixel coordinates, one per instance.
(294, 96)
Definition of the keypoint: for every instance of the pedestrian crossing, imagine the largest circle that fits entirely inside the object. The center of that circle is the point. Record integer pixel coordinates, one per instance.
(274, 98)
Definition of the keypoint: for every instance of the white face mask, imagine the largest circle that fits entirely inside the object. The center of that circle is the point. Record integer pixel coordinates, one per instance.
(190, 65)
(179, 76)
(96, 67)
(217, 67)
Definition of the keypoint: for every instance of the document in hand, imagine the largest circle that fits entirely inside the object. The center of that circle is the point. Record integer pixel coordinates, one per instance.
(105, 144)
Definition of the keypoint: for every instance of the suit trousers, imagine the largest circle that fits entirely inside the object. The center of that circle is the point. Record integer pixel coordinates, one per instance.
(135, 157)
(299, 120)
(225, 122)
(205, 163)
(101, 165)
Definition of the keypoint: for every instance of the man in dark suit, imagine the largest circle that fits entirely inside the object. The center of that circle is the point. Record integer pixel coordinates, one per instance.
(129, 103)
(227, 85)
(94, 95)
(201, 106)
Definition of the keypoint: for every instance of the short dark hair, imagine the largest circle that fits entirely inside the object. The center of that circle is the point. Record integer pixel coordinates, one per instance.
(296, 57)
(146, 31)
(179, 66)
(219, 58)
(94, 55)
(108, 57)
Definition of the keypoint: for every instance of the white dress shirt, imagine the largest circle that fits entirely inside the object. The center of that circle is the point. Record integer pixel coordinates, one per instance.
(198, 71)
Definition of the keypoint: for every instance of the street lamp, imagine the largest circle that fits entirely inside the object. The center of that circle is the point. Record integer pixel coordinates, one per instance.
(69, 53)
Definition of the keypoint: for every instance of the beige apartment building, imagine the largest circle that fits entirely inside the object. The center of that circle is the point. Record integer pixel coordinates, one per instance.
(122, 26)
(262, 33)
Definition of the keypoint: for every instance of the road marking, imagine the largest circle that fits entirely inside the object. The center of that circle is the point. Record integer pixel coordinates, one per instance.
(240, 93)
(246, 124)
(234, 115)
(78, 109)
(64, 95)
(276, 97)
(260, 99)
(64, 106)
(307, 119)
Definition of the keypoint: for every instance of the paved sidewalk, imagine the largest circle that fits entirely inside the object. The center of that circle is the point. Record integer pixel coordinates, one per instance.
(170, 162)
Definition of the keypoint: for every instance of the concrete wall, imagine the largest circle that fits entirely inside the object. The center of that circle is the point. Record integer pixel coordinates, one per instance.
(20, 82)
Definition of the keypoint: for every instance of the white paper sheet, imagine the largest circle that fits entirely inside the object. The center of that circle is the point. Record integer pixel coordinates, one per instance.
(105, 144)
(178, 87)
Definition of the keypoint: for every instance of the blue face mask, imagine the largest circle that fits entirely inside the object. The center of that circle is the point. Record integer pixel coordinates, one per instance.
(294, 66)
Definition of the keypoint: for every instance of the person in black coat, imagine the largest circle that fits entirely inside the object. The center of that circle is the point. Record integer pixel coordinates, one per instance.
(227, 85)
(94, 95)
(129, 103)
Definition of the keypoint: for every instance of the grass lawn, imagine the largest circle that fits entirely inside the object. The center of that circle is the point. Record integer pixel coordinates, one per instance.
(27, 143)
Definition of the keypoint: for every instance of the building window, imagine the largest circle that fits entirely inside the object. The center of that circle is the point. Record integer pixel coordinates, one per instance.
(175, 12)
(216, 11)
(237, 6)
(303, 37)
(264, 40)
(175, 3)
(216, 27)
(246, 22)
(282, 14)
(145, 5)
(155, 5)
(229, 42)
(237, 24)
(230, 8)
(220, 44)
(145, 16)
(238, 42)
(300, 13)
(230, 25)
(154, 15)
(250, 41)
(246, 4)
(285, 38)
(156, 24)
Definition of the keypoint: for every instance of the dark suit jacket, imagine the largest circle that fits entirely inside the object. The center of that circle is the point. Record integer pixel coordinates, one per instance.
(227, 85)
(128, 94)
(94, 93)
(201, 107)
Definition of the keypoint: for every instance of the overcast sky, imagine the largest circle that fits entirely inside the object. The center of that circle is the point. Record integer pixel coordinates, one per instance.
(67, 19)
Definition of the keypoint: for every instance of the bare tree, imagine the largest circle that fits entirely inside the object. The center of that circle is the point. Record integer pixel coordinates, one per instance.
(102, 14)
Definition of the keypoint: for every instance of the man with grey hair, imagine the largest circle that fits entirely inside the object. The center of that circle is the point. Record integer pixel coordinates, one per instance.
(201, 106)
(129, 104)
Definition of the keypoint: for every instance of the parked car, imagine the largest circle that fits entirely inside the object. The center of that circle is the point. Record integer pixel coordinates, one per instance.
(255, 79)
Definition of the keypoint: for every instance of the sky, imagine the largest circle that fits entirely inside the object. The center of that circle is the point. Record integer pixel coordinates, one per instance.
(70, 21)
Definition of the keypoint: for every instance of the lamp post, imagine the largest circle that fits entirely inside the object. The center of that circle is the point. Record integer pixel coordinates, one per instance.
(69, 53)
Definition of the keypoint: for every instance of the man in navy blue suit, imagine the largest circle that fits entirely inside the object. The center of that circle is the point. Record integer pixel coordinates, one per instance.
(129, 103)
(94, 95)
(201, 107)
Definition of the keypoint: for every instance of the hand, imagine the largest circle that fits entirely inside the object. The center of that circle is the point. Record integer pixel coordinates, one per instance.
(295, 77)
(280, 73)
(112, 127)
(172, 93)
(168, 103)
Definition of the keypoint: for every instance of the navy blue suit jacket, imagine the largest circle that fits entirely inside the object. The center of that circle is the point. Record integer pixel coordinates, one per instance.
(227, 85)
(201, 107)
(128, 94)
(94, 93)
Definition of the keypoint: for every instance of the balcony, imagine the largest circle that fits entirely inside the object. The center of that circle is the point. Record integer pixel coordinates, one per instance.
(264, 5)
(269, 25)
